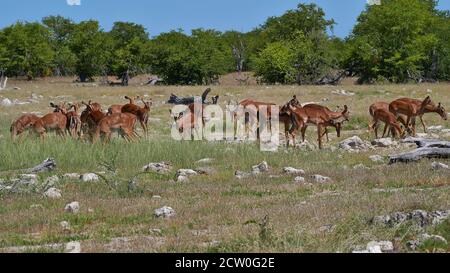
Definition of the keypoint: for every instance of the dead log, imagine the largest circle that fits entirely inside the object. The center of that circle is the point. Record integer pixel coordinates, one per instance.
(430, 143)
(48, 165)
(418, 154)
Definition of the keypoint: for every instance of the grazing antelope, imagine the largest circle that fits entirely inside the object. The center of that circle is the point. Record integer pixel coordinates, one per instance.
(408, 107)
(123, 123)
(251, 112)
(54, 121)
(140, 112)
(390, 120)
(117, 108)
(431, 107)
(384, 106)
(310, 116)
(23, 123)
(335, 119)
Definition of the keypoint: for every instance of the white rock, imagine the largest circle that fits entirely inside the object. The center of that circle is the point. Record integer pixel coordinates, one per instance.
(205, 161)
(320, 179)
(242, 175)
(53, 193)
(165, 212)
(360, 167)
(52, 180)
(439, 166)
(374, 249)
(6, 102)
(28, 179)
(65, 225)
(182, 178)
(376, 158)
(422, 135)
(384, 246)
(435, 128)
(73, 247)
(354, 143)
(260, 168)
(436, 238)
(89, 177)
(186, 172)
(156, 197)
(306, 145)
(73, 207)
(72, 176)
(294, 171)
(160, 167)
(299, 179)
(384, 142)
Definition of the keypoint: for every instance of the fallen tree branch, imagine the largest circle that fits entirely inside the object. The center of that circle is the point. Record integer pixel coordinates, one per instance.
(418, 154)
(431, 143)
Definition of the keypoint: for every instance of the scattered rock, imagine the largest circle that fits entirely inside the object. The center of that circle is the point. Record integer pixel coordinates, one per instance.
(355, 144)
(435, 128)
(165, 212)
(306, 146)
(385, 246)
(161, 167)
(182, 178)
(51, 181)
(320, 179)
(65, 225)
(342, 92)
(299, 179)
(420, 218)
(186, 172)
(36, 206)
(376, 158)
(156, 231)
(6, 102)
(156, 197)
(242, 175)
(46, 166)
(89, 177)
(414, 244)
(293, 171)
(384, 142)
(73, 207)
(260, 168)
(72, 176)
(439, 166)
(361, 167)
(326, 228)
(73, 247)
(206, 170)
(205, 161)
(53, 193)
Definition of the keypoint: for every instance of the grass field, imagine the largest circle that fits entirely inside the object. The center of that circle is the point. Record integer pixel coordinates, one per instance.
(218, 213)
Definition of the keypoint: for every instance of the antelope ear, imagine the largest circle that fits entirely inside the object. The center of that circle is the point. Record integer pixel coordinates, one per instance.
(53, 105)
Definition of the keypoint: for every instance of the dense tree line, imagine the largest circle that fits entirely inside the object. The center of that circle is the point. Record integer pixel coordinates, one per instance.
(398, 41)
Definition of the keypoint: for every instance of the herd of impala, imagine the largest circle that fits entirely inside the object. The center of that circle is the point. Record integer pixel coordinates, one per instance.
(92, 122)
(398, 116)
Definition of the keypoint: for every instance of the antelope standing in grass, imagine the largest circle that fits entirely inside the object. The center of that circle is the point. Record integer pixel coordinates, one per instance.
(73, 120)
(22, 124)
(390, 120)
(310, 116)
(117, 108)
(90, 118)
(140, 112)
(410, 109)
(56, 121)
(123, 123)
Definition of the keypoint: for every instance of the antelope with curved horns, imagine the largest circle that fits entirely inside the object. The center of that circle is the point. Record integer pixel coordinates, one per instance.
(408, 107)
(117, 108)
(140, 112)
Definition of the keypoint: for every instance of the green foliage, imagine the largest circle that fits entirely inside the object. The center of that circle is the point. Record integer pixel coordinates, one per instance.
(275, 64)
(27, 51)
(92, 48)
(396, 41)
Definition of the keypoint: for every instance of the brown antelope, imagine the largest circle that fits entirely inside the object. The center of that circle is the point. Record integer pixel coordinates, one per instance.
(73, 120)
(90, 118)
(140, 112)
(390, 120)
(23, 123)
(410, 109)
(123, 123)
(304, 116)
(251, 112)
(117, 108)
(335, 119)
(54, 121)
(431, 107)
